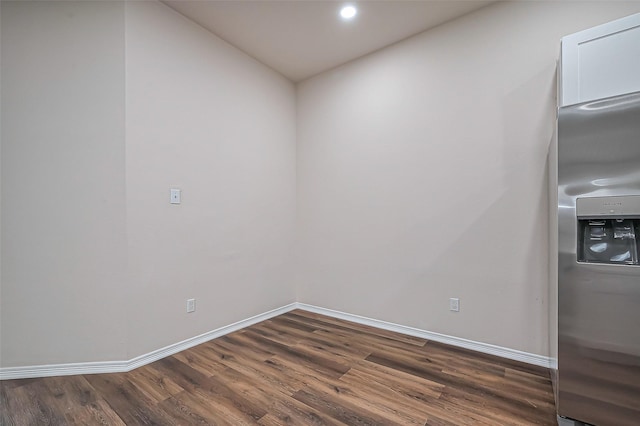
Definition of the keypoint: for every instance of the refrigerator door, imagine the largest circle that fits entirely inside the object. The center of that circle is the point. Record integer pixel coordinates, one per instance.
(598, 281)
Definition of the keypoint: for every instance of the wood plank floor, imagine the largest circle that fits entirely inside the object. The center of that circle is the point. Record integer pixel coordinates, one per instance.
(299, 368)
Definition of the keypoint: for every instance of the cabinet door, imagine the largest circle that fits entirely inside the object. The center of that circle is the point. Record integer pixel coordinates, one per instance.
(601, 62)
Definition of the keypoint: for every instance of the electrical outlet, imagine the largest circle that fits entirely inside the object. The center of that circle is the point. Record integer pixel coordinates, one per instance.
(191, 305)
(454, 304)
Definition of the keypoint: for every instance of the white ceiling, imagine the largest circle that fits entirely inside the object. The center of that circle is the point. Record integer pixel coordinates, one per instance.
(300, 38)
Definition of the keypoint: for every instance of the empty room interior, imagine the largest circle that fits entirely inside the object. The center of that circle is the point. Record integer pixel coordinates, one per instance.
(264, 212)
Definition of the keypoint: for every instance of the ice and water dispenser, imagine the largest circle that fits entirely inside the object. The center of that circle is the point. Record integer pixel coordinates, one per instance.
(608, 229)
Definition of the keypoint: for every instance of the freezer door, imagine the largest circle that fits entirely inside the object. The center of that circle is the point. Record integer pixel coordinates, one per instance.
(599, 285)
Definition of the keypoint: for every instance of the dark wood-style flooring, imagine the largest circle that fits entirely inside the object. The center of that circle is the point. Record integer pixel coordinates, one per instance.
(299, 368)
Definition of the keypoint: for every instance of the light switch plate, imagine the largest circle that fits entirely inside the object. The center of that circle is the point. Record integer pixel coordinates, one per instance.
(175, 196)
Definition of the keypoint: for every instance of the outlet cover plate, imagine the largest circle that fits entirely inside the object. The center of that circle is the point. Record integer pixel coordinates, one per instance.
(454, 304)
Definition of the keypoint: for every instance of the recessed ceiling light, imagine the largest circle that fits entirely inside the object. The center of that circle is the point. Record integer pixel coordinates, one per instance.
(348, 12)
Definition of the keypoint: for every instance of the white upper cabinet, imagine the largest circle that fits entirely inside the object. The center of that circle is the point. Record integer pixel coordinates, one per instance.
(600, 62)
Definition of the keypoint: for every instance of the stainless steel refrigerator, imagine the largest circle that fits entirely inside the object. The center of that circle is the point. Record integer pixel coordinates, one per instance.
(598, 261)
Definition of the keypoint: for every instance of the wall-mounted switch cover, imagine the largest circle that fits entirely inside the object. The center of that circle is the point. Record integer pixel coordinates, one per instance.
(175, 196)
(191, 305)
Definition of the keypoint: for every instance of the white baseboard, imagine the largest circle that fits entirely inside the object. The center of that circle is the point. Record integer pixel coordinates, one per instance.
(486, 348)
(49, 370)
(7, 373)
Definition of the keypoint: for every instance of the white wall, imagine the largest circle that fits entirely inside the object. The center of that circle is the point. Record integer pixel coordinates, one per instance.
(203, 117)
(63, 183)
(96, 127)
(422, 175)
(0, 186)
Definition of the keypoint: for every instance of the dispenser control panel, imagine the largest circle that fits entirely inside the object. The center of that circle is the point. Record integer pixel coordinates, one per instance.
(608, 206)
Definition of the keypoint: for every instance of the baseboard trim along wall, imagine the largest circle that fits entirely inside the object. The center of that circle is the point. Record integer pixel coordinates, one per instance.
(32, 371)
(486, 348)
(7, 373)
